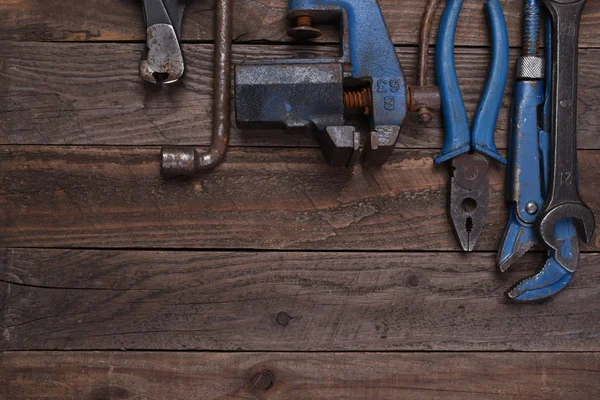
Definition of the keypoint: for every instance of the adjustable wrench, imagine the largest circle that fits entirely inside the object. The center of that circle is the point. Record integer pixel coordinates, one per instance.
(563, 200)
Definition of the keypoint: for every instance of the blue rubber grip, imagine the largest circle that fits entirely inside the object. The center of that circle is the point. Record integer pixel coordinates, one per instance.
(484, 125)
(457, 137)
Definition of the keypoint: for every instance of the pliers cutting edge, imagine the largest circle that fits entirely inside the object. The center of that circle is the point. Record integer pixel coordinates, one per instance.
(469, 184)
(527, 181)
(162, 61)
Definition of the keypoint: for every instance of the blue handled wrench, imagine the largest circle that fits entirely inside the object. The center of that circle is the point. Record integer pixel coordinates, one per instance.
(529, 170)
(464, 145)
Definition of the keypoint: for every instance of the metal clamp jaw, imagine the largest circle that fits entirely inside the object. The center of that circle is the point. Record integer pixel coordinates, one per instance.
(314, 93)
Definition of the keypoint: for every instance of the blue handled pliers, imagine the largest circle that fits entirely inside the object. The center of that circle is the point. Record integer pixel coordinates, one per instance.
(466, 146)
(527, 178)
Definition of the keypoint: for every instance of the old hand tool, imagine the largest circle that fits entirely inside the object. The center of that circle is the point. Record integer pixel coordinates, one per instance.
(563, 200)
(528, 170)
(162, 61)
(314, 93)
(466, 146)
(187, 161)
(422, 106)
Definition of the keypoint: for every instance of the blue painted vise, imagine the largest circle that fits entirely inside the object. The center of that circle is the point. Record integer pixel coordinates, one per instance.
(313, 94)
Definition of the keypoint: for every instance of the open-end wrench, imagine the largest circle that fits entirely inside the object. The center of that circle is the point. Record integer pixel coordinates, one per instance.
(563, 200)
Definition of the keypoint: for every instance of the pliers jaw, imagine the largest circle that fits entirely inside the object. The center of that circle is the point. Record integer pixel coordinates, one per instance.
(162, 61)
(469, 197)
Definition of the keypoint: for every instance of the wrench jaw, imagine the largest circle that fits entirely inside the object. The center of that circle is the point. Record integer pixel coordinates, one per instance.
(517, 240)
(568, 255)
(162, 62)
(550, 280)
(582, 216)
(558, 270)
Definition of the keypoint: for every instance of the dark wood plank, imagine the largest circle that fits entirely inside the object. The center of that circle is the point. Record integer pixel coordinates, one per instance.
(99, 99)
(259, 198)
(254, 20)
(100, 299)
(324, 376)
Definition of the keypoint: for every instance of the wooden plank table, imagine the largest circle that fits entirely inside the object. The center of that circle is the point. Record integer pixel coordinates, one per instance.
(275, 276)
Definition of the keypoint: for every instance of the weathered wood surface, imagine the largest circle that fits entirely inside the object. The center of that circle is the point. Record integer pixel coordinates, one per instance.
(254, 20)
(259, 198)
(323, 376)
(98, 299)
(99, 98)
(274, 192)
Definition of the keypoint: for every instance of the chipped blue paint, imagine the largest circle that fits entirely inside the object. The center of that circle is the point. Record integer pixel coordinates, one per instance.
(527, 181)
(371, 52)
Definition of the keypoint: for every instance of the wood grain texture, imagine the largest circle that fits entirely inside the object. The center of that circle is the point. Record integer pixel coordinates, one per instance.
(329, 376)
(254, 20)
(99, 99)
(259, 198)
(100, 299)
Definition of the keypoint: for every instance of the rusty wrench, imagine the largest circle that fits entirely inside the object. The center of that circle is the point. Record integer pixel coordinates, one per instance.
(187, 161)
(563, 200)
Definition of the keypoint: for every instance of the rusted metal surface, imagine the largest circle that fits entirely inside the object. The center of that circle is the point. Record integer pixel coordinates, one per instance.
(424, 40)
(304, 29)
(426, 98)
(423, 98)
(186, 161)
(359, 99)
(162, 61)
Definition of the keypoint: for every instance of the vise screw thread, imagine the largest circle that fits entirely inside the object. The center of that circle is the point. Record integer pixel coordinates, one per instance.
(531, 27)
(358, 99)
(304, 20)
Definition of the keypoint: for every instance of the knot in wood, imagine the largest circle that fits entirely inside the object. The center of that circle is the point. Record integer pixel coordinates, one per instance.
(263, 380)
(283, 318)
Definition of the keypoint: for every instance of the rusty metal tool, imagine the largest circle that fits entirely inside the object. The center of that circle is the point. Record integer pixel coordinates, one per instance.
(162, 61)
(528, 170)
(563, 200)
(185, 160)
(422, 94)
(466, 146)
(313, 94)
